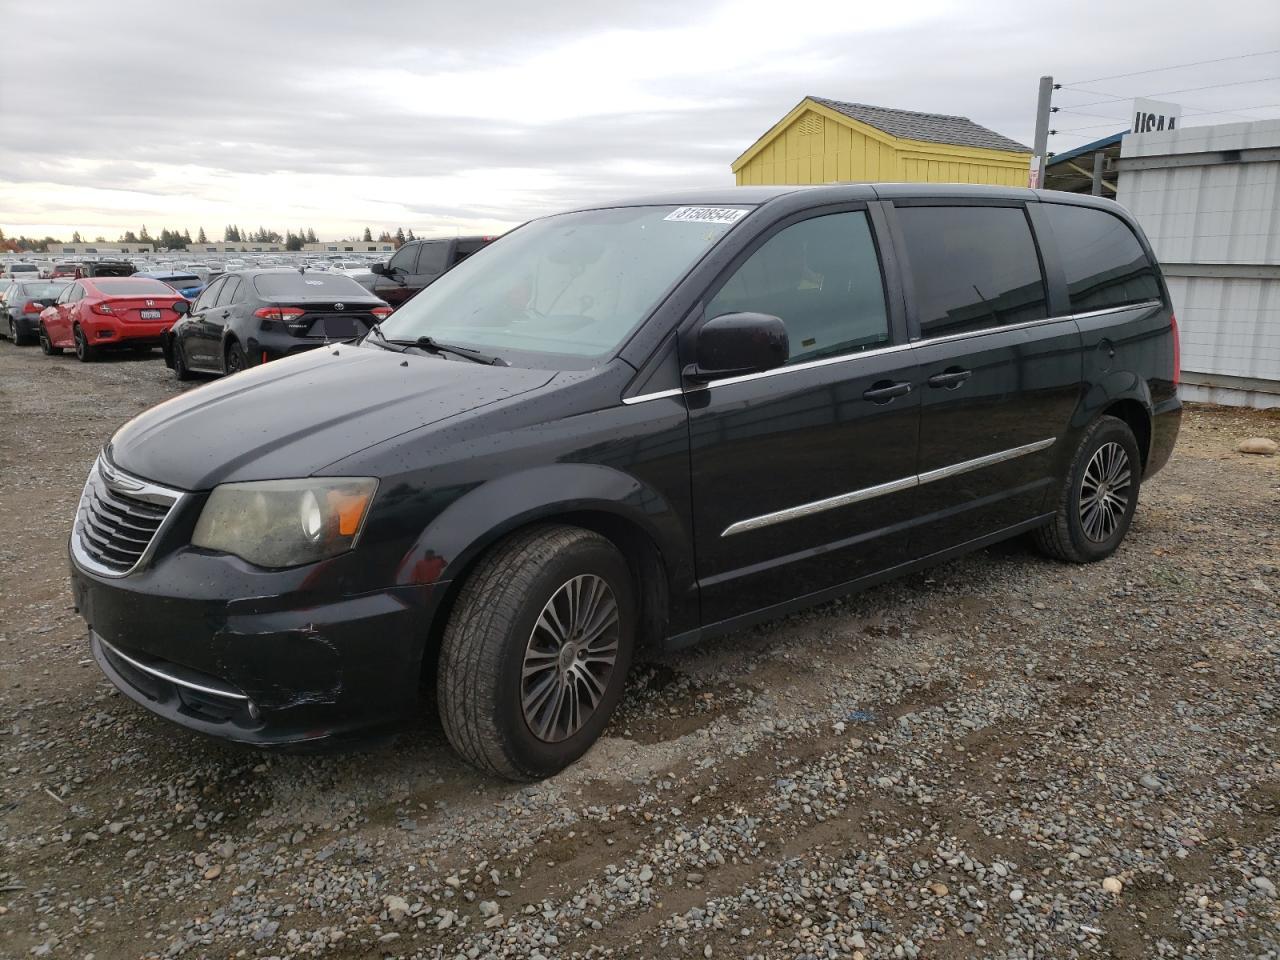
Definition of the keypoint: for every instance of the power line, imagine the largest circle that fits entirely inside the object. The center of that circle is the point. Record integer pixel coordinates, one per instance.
(1234, 111)
(1113, 98)
(1176, 66)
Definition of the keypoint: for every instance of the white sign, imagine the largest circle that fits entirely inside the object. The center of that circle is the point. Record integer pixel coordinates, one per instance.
(1033, 174)
(707, 214)
(1149, 115)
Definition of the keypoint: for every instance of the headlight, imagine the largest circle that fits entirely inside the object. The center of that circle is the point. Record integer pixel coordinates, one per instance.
(285, 523)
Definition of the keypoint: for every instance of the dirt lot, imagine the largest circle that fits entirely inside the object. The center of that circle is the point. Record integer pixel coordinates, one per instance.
(1005, 757)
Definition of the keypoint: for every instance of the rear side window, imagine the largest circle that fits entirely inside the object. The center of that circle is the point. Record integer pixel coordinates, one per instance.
(230, 292)
(822, 278)
(974, 268)
(431, 258)
(1104, 263)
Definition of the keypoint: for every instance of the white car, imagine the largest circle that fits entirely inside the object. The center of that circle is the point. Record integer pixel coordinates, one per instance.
(350, 268)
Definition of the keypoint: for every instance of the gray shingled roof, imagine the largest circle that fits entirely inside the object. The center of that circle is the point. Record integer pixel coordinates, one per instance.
(930, 127)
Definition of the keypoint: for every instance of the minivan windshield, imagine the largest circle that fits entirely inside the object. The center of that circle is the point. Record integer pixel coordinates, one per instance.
(573, 286)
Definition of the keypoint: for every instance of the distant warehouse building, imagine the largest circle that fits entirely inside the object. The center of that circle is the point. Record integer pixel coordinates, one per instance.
(77, 249)
(350, 246)
(823, 141)
(1208, 198)
(234, 246)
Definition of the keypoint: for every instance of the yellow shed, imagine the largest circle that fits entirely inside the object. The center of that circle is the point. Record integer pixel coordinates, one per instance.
(822, 141)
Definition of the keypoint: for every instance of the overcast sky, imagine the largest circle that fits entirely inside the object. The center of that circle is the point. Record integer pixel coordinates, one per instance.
(474, 116)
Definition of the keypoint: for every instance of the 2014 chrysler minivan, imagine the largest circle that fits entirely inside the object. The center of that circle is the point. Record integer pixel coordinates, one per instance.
(643, 423)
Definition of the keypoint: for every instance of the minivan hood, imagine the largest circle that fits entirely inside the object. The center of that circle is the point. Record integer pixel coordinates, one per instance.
(293, 417)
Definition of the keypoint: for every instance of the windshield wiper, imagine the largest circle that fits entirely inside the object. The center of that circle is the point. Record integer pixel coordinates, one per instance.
(432, 345)
(382, 340)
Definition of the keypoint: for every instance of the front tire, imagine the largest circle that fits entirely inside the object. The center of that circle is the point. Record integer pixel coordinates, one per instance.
(85, 352)
(1097, 500)
(535, 655)
(46, 345)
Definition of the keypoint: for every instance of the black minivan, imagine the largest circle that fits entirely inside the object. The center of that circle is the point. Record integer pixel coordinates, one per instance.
(648, 422)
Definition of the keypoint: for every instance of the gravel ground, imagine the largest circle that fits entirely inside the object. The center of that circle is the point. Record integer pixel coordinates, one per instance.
(1004, 757)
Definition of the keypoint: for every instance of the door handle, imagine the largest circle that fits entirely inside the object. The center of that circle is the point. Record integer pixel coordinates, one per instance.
(882, 391)
(950, 379)
(225, 314)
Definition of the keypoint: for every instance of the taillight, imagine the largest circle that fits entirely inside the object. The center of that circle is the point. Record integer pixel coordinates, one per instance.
(278, 313)
(1177, 350)
(31, 307)
(381, 312)
(103, 308)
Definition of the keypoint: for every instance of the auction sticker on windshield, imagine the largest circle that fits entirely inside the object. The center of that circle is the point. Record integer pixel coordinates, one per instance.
(707, 214)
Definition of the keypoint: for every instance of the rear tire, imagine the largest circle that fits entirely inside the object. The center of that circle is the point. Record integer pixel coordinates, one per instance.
(85, 352)
(1097, 500)
(540, 612)
(235, 360)
(19, 339)
(46, 345)
(180, 369)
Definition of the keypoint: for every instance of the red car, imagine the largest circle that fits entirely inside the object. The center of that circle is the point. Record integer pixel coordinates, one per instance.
(103, 312)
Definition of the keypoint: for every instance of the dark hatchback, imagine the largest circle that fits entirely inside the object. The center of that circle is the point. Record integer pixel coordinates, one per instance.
(645, 423)
(249, 317)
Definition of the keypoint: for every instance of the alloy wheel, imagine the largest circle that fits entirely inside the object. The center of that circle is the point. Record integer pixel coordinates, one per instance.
(1104, 492)
(569, 659)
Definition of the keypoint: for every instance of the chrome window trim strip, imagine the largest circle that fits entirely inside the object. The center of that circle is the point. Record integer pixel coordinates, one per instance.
(1143, 305)
(882, 489)
(128, 486)
(892, 348)
(644, 397)
(177, 681)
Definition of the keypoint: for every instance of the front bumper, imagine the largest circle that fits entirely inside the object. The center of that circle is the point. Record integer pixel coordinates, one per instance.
(217, 656)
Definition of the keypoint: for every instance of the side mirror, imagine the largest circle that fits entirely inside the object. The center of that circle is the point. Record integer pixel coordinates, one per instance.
(181, 306)
(738, 343)
(378, 269)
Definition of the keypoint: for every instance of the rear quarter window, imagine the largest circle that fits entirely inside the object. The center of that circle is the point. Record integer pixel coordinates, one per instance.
(973, 268)
(1104, 263)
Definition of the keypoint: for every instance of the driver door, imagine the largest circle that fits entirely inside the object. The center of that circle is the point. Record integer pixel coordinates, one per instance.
(803, 475)
(393, 286)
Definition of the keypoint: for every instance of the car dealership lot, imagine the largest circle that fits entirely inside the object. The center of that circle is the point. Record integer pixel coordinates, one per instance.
(953, 764)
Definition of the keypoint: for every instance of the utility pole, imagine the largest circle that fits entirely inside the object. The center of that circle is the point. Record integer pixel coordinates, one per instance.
(1099, 159)
(1041, 147)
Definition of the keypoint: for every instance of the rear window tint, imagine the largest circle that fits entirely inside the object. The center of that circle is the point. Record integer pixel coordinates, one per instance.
(41, 291)
(23, 268)
(1104, 263)
(974, 268)
(132, 287)
(294, 284)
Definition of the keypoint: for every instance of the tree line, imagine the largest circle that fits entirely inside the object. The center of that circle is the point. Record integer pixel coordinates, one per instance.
(173, 240)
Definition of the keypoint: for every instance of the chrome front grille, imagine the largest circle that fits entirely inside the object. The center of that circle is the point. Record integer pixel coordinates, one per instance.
(118, 520)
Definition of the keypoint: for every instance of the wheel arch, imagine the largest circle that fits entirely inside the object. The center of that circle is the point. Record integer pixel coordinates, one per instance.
(647, 531)
(1121, 395)
(1138, 417)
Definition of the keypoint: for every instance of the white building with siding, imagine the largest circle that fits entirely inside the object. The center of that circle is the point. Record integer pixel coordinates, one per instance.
(1209, 200)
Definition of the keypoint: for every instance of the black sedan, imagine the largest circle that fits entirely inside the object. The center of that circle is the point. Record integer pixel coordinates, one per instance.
(250, 317)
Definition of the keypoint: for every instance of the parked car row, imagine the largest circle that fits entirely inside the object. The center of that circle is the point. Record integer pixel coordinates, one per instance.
(241, 320)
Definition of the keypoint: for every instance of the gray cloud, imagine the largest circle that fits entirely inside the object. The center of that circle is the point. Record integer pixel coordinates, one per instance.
(255, 89)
